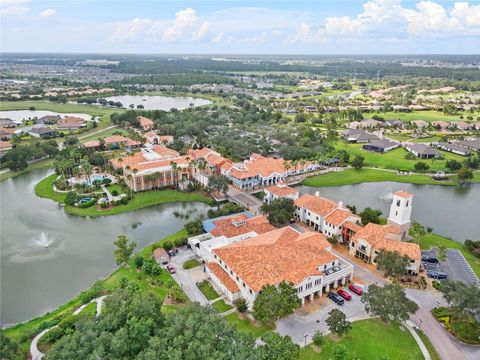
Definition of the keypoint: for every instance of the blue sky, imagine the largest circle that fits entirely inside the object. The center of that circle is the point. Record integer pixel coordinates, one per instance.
(241, 27)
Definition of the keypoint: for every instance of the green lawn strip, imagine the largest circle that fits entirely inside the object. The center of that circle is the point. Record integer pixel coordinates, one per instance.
(394, 159)
(246, 325)
(140, 200)
(427, 116)
(190, 264)
(25, 331)
(353, 176)
(42, 164)
(207, 289)
(426, 341)
(104, 134)
(370, 339)
(432, 240)
(221, 306)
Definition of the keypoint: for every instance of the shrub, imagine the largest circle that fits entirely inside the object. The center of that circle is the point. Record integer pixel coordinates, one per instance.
(156, 270)
(421, 166)
(473, 247)
(138, 261)
(104, 204)
(69, 322)
(241, 305)
(180, 242)
(167, 245)
(48, 324)
(115, 192)
(147, 267)
(71, 198)
(53, 334)
(91, 293)
(318, 338)
(124, 200)
(107, 181)
(88, 203)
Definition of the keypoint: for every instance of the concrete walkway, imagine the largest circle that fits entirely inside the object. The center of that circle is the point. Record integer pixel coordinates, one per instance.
(37, 354)
(410, 326)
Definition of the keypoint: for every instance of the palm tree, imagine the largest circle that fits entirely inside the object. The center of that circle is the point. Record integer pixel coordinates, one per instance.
(175, 173)
(287, 166)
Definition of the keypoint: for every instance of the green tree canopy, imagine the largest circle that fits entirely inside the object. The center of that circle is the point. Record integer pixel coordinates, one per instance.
(358, 161)
(279, 211)
(389, 302)
(461, 298)
(369, 215)
(337, 323)
(123, 249)
(392, 263)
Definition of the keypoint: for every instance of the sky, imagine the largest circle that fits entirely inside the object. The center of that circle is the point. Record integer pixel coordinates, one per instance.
(241, 27)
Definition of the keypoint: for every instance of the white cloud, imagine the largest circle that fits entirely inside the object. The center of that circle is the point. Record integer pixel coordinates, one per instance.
(202, 31)
(48, 13)
(132, 31)
(184, 19)
(14, 10)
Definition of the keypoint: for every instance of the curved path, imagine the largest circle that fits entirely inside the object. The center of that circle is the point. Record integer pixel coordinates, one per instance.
(37, 354)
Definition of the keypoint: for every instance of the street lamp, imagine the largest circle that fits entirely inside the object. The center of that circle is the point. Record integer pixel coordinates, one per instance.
(305, 338)
(421, 321)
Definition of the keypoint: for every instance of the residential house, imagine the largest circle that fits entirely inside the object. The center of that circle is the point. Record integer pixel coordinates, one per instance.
(71, 123)
(153, 138)
(112, 143)
(395, 123)
(43, 132)
(7, 123)
(48, 119)
(279, 191)
(160, 256)
(242, 269)
(323, 215)
(453, 148)
(6, 133)
(472, 144)
(145, 123)
(371, 124)
(422, 151)
(420, 124)
(310, 109)
(358, 136)
(213, 160)
(442, 125)
(461, 125)
(401, 108)
(5, 146)
(381, 146)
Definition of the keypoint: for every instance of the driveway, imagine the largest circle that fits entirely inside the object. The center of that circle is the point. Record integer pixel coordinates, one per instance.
(187, 279)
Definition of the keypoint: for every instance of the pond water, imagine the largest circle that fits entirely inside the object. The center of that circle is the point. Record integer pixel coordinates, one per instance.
(159, 102)
(451, 211)
(48, 257)
(19, 115)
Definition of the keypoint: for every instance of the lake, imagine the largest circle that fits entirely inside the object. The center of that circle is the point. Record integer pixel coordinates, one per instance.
(19, 115)
(36, 278)
(166, 103)
(449, 210)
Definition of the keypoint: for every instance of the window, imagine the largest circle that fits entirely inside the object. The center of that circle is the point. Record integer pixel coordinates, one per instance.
(396, 213)
(251, 292)
(406, 204)
(243, 284)
(318, 281)
(308, 286)
(324, 267)
(398, 202)
(238, 279)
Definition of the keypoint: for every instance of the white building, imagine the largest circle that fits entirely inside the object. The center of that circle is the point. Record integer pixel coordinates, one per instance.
(401, 211)
(278, 191)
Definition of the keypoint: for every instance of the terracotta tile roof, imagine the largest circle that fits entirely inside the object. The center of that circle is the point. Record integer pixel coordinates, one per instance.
(281, 190)
(377, 237)
(91, 143)
(279, 255)
(403, 194)
(223, 277)
(145, 122)
(201, 153)
(226, 226)
(7, 131)
(339, 216)
(5, 145)
(352, 226)
(151, 134)
(316, 204)
(159, 156)
(159, 253)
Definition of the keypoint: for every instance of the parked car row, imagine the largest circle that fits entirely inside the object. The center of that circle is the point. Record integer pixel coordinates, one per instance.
(341, 295)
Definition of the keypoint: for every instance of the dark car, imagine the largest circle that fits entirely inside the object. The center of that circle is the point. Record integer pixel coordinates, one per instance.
(171, 269)
(344, 294)
(429, 259)
(437, 275)
(336, 298)
(171, 252)
(355, 289)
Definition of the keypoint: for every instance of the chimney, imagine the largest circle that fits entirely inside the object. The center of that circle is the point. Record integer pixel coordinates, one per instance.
(317, 193)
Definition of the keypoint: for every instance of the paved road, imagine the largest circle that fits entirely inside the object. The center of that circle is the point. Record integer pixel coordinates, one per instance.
(187, 279)
(244, 199)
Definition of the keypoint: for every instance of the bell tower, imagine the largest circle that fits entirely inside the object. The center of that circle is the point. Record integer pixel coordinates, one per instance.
(400, 211)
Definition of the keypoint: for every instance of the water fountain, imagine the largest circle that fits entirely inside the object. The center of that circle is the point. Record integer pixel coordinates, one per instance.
(43, 240)
(387, 194)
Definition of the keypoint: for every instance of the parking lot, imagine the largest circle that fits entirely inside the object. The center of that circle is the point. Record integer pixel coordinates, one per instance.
(297, 326)
(456, 267)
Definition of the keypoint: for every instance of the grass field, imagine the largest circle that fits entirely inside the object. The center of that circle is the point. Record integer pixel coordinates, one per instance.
(103, 134)
(21, 333)
(395, 159)
(431, 350)
(245, 325)
(427, 116)
(221, 306)
(432, 240)
(370, 339)
(207, 289)
(353, 176)
(140, 200)
(190, 264)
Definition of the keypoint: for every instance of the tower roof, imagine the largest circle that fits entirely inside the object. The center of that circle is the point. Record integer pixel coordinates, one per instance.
(403, 194)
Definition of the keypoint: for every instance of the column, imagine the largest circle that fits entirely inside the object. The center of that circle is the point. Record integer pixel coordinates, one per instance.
(303, 301)
(328, 288)
(311, 297)
(343, 281)
(335, 284)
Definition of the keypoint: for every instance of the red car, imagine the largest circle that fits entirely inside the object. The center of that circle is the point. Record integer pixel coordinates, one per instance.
(356, 289)
(344, 294)
(171, 269)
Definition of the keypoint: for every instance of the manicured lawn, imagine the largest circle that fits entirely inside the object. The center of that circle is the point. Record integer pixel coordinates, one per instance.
(246, 325)
(431, 350)
(370, 339)
(427, 116)
(353, 176)
(103, 134)
(394, 159)
(207, 289)
(140, 200)
(432, 240)
(190, 264)
(221, 306)
(42, 164)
